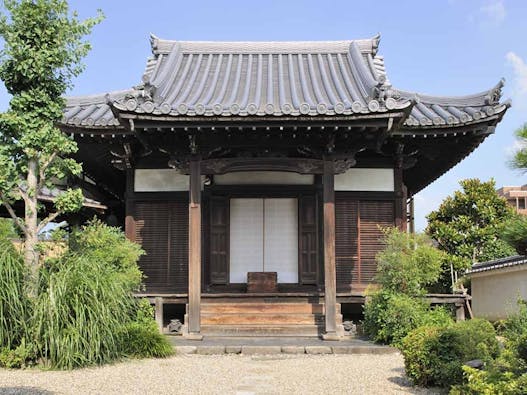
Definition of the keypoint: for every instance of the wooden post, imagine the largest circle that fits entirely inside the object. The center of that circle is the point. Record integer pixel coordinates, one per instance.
(159, 312)
(460, 311)
(194, 256)
(330, 282)
(411, 216)
(129, 222)
(400, 201)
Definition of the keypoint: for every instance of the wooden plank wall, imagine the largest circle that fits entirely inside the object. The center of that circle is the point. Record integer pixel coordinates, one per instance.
(359, 238)
(162, 229)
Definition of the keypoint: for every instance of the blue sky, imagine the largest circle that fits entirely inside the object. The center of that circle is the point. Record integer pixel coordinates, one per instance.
(443, 47)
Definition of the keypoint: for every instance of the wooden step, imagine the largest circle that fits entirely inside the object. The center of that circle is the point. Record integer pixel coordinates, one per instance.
(264, 331)
(261, 319)
(252, 308)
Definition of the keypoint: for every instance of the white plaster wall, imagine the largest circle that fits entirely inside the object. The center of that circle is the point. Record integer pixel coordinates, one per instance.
(264, 178)
(367, 179)
(494, 294)
(160, 180)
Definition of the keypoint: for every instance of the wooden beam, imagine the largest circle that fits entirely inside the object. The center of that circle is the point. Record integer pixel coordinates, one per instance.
(330, 291)
(194, 270)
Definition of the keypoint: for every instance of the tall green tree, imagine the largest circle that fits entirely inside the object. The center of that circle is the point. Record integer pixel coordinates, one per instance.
(467, 224)
(43, 49)
(519, 160)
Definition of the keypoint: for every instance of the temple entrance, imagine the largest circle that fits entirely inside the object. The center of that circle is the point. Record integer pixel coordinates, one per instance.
(264, 238)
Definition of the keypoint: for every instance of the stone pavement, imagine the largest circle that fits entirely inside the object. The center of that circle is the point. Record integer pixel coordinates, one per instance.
(275, 345)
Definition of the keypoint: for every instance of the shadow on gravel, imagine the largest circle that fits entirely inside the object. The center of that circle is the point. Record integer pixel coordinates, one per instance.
(24, 391)
(403, 382)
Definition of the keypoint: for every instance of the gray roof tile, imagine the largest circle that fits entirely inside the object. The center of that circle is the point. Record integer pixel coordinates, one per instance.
(274, 79)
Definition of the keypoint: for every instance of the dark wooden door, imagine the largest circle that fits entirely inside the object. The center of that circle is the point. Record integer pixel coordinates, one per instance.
(307, 239)
(219, 240)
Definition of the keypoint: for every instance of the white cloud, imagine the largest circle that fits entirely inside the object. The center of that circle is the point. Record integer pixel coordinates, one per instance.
(515, 147)
(494, 11)
(519, 68)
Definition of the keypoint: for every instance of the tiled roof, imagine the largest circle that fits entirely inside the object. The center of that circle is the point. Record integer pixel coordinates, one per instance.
(266, 79)
(93, 110)
(498, 264)
(450, 110)
(263, 78)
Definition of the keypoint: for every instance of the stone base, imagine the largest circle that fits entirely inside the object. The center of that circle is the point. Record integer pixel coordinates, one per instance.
(192, 336)
(331, 336)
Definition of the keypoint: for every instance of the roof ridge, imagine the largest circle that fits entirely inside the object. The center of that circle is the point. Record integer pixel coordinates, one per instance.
(367, 45)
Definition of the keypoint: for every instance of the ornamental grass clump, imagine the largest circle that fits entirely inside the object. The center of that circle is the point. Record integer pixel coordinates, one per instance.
(80, 314)
(84, 313)
(15, 309)
(14, 305)
(141, 337)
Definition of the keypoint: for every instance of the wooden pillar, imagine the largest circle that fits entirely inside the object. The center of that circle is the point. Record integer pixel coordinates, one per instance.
(460, 311)
(411, 216)
(400, 201)
(129, 221)
(194, 256)
(158, 312)
(330, 282)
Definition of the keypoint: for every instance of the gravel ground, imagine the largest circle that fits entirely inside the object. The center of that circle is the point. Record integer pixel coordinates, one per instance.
(225, 374)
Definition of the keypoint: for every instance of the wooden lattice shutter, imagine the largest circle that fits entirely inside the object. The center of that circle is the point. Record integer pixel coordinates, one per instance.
(374, 215)
(346, 241)
(307, 239)
(162, 230)
(219, 240)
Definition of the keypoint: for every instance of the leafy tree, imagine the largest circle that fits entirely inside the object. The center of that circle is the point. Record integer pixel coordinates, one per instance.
(514, 232)
(467, 225)
(43, 49)
(519, 160)
(409, 262)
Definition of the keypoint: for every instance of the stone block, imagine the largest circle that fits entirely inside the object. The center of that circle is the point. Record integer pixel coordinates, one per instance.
(341, 349)
(233, 349)
(261, 350)
(318, 350)
(293, 349)
(185, 350)
(211, 350)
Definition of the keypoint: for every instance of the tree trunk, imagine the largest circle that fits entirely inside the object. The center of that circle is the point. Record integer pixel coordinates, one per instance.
(31, 255)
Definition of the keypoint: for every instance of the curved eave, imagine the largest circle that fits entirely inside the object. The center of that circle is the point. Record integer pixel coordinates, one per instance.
(438, 152)
(92, 111)
(450, 111)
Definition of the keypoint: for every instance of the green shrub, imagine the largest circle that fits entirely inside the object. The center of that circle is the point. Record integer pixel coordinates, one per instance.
(434, 356)
(80, 314)
(141, 338)
(99, 242)
(482, 382)
(408, 263)
(388, 317)
(14, 305)
(20, 357)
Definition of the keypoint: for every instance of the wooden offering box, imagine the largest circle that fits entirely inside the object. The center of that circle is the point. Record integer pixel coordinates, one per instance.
(261, 282)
